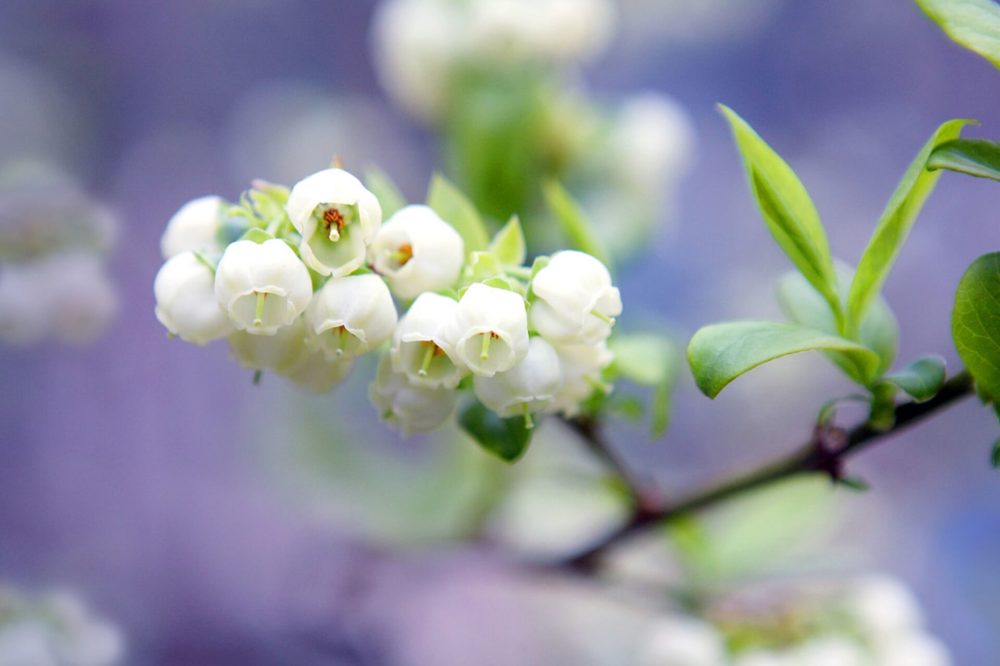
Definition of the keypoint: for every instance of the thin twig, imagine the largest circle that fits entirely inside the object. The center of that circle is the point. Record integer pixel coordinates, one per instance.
(825, 452)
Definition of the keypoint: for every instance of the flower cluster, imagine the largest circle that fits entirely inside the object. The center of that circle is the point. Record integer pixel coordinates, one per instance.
(302, 282)
(53, 242)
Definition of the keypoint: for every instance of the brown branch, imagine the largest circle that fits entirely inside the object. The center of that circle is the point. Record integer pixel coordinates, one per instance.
(825, 452)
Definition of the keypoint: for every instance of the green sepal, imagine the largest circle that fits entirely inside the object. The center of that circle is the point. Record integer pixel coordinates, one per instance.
(257, 235)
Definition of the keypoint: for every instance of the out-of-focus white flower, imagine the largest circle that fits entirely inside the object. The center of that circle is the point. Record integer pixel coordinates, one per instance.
(193, 228)
(186, 303)
(24, 307)
(262, 287)
(765, 658)
(319, 374)
(408, 407)
(582, 366)
(683, 642)
(883, 606)
(489, 332)
(574, 29)
(281, 352)
(830, 651)
(651, 145)
(417, 251)
(528, 387)
(337, 218)
(352, 315)
(912, 649)
(575, 301)
(420, 349)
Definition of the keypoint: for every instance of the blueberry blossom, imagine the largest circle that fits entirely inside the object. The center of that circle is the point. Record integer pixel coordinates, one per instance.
(282, 352)
(337, 219)
(186, 303)
(420, 349)
(680, 641)
(262, 287)
(417, 251)
(352, 315)
(193, 228)
(574, 299)
(489, 332)
(409, 407)
(582, 366)
(528, 387)
(319, 374)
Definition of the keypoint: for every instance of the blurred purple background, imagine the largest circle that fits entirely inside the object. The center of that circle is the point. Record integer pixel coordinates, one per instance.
(136, 470)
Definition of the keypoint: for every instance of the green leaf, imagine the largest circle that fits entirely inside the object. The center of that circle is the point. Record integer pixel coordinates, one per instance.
(975, 323)
(481, 266)
(649, 360)
(720, 353)
(507, 439)
(508, 244)
(456, 209)
(895, 224)
(975, 24)
(995, 455)
(801, 303)
(973, 157)
(922, 379)
(385, 190)
(573, 222)
(786, 208)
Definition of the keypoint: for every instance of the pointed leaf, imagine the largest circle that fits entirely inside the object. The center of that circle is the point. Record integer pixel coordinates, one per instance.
(975, 323)
(508, 244)
(385, 190)
(786, 208)
(895, 224)
(921, 379)
(720, 353)
(974, 157)
(573, 221)
(456, 209)
(975, 24)
(649, 360)
(507, 439)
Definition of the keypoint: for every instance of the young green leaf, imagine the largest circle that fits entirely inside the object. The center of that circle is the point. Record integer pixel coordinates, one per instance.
(456, 209)
(649, 360)
(975, 323)
(720, 353)
(508, 244)
(922, 379)
(995, 455)
(573, 222)
(894, 226)
(786, 208)
(507, 439)
(385, 190)
(974, 157)
(975, 24)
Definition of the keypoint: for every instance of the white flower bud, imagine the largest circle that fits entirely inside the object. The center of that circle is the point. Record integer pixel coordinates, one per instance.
(262, 287)
(420, 349)
(683, 642)
(574, 29)
(337, 218)
(417, 251)
(528, 387)
(318, 374)
(186, 303)
(581, 372)
(352, 315)
(406, 406)
(913, 649)
(651, 145)
(575, 302)
(883, 606)
(282, 352)
(193, 228)
(489, 332)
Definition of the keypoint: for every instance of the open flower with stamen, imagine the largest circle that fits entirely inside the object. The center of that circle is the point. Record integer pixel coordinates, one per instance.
(582, 367)
(419, 347)
(185, 300)
(337, 218)
(352, 315)
(417, 251)
(409, 407)
(489, 332)
(194, 228)
(263, 287)
(575, 302)
(528, 387)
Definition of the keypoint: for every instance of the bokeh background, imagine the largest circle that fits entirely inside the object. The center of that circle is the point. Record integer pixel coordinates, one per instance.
(217, 522)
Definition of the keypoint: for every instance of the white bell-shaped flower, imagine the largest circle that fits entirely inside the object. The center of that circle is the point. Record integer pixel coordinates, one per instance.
(282, 352)
(318, 374)
(337, 218)
(912, 649)
(575, 301)
(830, 651)
(194, 228)
(80, 295)
(408, 407)
(582, 366)
(681, 641)
(24, 305)
(417, 251)
(420, 349)
(883, 605)
(352, 315)
(262, 287)
(186, 303)
(489, 332)
(528, 387)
